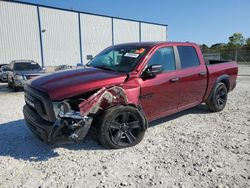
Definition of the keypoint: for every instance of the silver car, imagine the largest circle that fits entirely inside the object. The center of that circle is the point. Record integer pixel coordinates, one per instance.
(21, 71)
(4, 73)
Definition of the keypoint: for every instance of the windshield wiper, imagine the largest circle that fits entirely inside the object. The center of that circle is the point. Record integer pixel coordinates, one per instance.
(104, 68)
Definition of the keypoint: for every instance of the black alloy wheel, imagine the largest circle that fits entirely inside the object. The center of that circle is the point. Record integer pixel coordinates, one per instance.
(218, 98)
(221, 97)
(124, 129)
(121, 126)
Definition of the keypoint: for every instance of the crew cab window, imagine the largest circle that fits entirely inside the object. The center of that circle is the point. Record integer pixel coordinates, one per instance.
(188, 56)
(165, 57)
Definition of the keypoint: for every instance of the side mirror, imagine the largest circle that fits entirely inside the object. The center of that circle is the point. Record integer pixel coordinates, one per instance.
(152, 71)
(44, 69)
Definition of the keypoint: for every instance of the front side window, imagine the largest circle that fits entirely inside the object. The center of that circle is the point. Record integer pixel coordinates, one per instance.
(165, 57)
(188, 57)
(119, 59)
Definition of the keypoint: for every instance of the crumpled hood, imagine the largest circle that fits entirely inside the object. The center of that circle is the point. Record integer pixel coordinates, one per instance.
(69, 83)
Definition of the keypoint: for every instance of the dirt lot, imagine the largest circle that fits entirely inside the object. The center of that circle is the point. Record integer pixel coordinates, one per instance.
(194, 148)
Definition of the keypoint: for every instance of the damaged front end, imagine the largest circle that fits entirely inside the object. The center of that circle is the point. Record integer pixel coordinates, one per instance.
(69, 127)
(74, 116)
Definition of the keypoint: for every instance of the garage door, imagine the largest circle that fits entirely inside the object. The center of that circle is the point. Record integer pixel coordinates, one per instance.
(126, 31)
(96, 34)
(60, 35)
(151, 32)
(19, 33)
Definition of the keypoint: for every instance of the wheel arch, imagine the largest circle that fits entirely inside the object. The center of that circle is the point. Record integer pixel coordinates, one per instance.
(140, 109)
(224, 79)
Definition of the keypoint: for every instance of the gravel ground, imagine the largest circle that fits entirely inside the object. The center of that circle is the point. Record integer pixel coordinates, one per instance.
(194, 148)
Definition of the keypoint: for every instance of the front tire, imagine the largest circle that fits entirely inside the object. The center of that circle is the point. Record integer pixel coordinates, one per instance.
(120, 127)
(218, 99)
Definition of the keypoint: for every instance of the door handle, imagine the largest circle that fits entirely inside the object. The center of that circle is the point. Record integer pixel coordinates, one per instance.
(174, 80)
(202, 73)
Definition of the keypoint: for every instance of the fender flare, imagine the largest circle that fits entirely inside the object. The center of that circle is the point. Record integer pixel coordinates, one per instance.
(139, 107)
(223, 78)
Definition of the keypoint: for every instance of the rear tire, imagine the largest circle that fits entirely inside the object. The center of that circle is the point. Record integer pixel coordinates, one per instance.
(121, 127)
(218, 99)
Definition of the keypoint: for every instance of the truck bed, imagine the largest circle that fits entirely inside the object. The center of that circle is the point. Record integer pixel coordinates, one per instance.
(217, 69)
(213, 62)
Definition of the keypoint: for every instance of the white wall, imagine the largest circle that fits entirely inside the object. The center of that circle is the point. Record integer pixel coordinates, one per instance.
(96, 34)
(151, 32)
(61, 37)
(19, 33)
(126, 31)
(20, 38)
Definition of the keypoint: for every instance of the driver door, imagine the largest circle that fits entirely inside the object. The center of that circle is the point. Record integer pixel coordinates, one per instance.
(160, 94)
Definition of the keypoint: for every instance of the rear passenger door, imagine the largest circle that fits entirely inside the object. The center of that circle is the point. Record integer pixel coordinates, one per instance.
(192, 78)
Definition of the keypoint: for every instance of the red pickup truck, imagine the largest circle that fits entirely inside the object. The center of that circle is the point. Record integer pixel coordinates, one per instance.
(122, 89)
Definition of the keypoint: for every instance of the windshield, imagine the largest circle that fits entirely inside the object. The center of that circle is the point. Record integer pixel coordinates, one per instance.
(27, 66)
(118, 59)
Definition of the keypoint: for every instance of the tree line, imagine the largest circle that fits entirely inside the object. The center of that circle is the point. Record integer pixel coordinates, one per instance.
(237, 48)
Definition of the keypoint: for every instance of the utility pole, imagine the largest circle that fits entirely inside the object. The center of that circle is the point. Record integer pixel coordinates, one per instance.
(217, 53)
(236, 53)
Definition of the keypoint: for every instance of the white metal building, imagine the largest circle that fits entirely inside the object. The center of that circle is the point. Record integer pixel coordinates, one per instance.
(53, 36)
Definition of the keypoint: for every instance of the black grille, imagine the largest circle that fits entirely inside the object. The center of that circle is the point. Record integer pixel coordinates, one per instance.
(40, 103)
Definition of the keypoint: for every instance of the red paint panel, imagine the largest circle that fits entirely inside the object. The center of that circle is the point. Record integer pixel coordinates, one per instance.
(159, 95)
(192, 86)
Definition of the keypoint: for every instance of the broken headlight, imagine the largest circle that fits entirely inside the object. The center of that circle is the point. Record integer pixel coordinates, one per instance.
(61, 107)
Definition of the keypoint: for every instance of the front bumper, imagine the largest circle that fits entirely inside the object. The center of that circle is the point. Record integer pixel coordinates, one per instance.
(51, 132)
(20, 83)
(37, 125)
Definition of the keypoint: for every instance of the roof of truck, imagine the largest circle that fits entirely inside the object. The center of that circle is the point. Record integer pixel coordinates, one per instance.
(154, 43)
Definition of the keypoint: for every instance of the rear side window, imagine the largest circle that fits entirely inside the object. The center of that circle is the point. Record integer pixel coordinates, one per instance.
(188, 57)
(26, 66)
(165, 57)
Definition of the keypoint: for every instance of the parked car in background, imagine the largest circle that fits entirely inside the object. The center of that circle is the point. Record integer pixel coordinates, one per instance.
(21, 71)
(4, 73)
(63, 67)
(3, 65)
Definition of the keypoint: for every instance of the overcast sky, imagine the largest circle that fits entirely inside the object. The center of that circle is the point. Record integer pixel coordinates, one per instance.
(198, 21)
